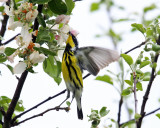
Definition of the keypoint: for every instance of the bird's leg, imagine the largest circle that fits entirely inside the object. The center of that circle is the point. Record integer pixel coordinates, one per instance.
(68, 95)
(72, 97)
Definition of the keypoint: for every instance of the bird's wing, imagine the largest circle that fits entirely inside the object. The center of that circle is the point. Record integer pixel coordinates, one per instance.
(93, 59)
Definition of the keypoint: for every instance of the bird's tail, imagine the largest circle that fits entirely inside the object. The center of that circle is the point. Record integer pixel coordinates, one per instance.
(79, 109)
(79, 113)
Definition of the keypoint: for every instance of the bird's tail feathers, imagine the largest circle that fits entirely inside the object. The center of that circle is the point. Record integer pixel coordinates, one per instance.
(79, 113)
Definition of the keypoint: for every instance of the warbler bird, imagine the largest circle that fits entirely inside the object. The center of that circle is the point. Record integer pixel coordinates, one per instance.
(76, 59)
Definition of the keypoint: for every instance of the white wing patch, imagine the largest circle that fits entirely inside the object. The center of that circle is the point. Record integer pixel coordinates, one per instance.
(95, 58)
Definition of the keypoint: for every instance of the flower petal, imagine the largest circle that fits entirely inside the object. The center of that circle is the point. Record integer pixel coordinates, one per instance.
(19, 68)
(2, 49)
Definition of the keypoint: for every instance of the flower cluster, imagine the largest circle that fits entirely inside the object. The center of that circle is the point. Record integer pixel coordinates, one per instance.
(23, 17)
(62, 24)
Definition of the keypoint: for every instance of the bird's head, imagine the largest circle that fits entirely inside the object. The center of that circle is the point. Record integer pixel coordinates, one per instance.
(72, 41)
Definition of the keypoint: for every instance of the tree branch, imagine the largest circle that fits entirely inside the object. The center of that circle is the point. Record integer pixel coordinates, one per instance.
(8, 116)
(8, 41)
(10, 111)
(36, 106)
(145, 97)
(144, 115)
(119, 110)
(4, 23)
(36, 23)
(41, 114)
(2, 111)
(143, 43)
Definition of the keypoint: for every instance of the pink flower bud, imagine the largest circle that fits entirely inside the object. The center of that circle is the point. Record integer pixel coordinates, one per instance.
(62, 19)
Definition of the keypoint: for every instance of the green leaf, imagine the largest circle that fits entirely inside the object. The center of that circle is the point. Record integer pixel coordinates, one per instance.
(95, 123)
(138, 71)
(61, 25)
(9, 51)
(50, 21)
(105, 78)
(103, 112)
(40, 1)
(158, 115)
(68, 103)
(158, 73)
(10, 68)
(43, 36)
(137, 116)
(139, 27)
(3, 58)
(1, 8)
(4, 100)
(127, 58)
(52, 68)
(149, 33)
(129, 82)
(41, 20)
(19, 106)
(144, 63)
(155, 47)
(128, 123)
(113, 34)
(70, 5)
(122, 20)
(149, 8)
(130, 111)
(139, 86)
(146, 76)
(45, 51)
(94, 7)
(58, 7)
(127, 91)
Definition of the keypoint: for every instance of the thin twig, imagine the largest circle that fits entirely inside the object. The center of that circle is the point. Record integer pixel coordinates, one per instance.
(119, 110)
(4, 24)
(36, 106)
(8, 41)
(143, 43)
(41, 114)
(144, 116)
(135, 95)
(134, 91)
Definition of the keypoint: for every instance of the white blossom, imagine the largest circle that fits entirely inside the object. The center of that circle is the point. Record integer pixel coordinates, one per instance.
(35, 57)
(37, 45)
(31, 15)
(14, 24)
(27, 37)
(63, 34)
(62, 19)
(3, 0)
(2, 49)
(19, 68)
(11, 57)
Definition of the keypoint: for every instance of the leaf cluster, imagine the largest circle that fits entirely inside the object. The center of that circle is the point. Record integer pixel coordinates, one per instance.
(95, 116)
